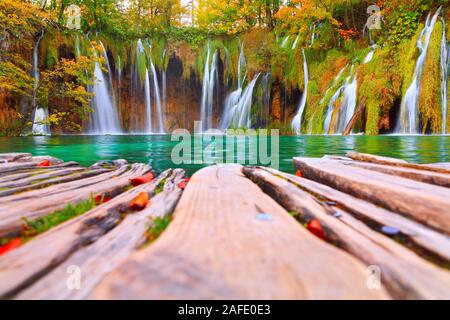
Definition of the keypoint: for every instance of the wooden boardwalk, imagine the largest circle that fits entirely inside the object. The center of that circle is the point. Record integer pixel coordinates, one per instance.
(231, 232)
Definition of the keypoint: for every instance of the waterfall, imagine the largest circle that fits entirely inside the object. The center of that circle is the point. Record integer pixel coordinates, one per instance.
(297, 121)
(104, 119)
(444, 76)
(346, 109)
(369, 56)
(164, 81)
(242, 65)
(408, 121)
(285, 41)
(148, 102)
(313, 35)
(294, 45)
(40, 126)
(327, 123)
(349, 103)
(238, 106)
(209, 80)
(157, 98)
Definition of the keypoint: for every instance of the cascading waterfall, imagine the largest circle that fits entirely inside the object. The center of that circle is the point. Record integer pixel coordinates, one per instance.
(148, 102)
(285, 41)
(104, 119)
(238, 107)
(444, 76)
(294, 45)
(370, 55)
(297, 121)
(150, 78)
(348, 104)
(40, 126)
(209, 81)
(157, 98)
(408, 121)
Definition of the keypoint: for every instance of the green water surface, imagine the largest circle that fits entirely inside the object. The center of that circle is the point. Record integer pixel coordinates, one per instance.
(156, 149)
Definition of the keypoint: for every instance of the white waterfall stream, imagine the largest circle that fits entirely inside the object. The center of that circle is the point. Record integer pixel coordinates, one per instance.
(238, 106)
(157, 98)
(297, 121)
(148, 102)
(444, 77)
(40, 125)
(104, 119)
(408, 122)
(209, 82)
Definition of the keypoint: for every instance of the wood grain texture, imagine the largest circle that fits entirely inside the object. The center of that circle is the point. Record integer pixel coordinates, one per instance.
(439, 179)
(11, 157)
(423, 202)
(36, 203)
(420, 237)
(220, 246)
(20, 268)
(406, 275)
(104, 255)
(365, 157)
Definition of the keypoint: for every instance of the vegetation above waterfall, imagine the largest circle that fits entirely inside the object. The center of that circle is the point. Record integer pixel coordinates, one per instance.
(270, 34)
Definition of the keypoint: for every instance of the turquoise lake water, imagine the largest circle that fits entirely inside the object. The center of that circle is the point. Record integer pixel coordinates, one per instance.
(156, 149)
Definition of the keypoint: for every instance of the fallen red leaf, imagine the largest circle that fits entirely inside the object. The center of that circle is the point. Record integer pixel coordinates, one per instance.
(298, 173)
(316, 229)
(101, 199)
(45, 163)
(140, 202)
(143, 179)
(182, 184)
(15, 243)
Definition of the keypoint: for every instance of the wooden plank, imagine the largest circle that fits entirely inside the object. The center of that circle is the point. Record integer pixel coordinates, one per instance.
(16, 167)
(33, 178)
(439, 179)
(20, 268)
(57, 180)
(442, 165)
(423, 280)
(11, 157)
(228, 240)
(365, 157)
(424, 240)
(104, 255)
(37, 203)
(423, 202)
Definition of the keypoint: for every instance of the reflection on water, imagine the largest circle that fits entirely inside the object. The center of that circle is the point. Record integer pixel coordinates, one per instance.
(156, 149)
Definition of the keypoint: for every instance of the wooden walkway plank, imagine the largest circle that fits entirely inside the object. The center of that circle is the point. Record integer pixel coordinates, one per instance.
(422, 281)
(36, 203)
(19, 167)
(365, 157)
(423, 239)
(229, 240)
(12, 157)
(33, 178)
(428, 204)
(74, 176)
(98, 259)
(21, 267)
(439, 179)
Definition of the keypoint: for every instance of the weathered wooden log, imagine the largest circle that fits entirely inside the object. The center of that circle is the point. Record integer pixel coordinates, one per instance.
(37, 203)
(423, 202)
(11, 157)
(422, 280)
(424, 240)
(19, 167)
(365, 157)
(22, 267)
(439, 179)
(58, 180)
(33, 178)
(104, 255)
(228, 240)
